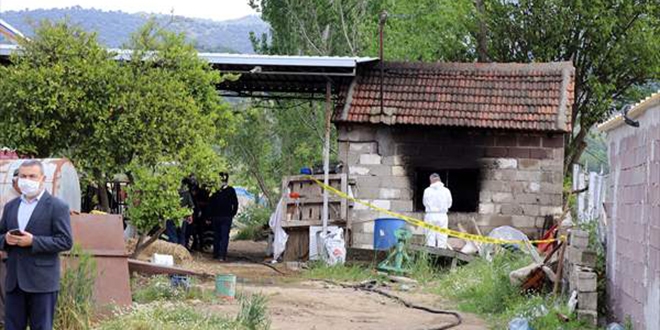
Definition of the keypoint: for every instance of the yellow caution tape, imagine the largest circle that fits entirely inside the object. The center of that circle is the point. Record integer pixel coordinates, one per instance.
(426, 225)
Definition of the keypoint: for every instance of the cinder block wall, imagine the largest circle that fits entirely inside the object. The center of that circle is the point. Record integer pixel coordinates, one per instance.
(633, 252)
(521, 173)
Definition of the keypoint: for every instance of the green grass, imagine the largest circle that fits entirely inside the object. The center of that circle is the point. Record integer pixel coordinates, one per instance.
(165, 315)
(254, 312)
(480, 287)
(158, 288)
(340, 273)
(424, 268)
(483, 288)
(251, 223)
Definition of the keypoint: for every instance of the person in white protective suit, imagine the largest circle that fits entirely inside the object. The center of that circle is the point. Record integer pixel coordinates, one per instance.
(437, 201)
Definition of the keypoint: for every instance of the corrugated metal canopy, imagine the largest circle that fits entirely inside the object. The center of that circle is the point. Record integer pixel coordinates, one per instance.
(261, 75)
(284, 60)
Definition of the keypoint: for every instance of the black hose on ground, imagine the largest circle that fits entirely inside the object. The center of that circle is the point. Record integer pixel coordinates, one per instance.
(370, 286)
(251, 260)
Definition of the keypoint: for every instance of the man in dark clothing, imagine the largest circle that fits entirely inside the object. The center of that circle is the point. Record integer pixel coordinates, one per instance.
(201, 197)
(34, 229)
(15, 193)
(179, 234)
(222, 208)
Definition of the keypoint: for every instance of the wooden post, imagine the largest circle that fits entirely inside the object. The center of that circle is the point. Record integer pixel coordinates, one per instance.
(326, 155)
(560, 267)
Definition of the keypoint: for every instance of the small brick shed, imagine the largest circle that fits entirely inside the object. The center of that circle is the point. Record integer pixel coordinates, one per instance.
(633, 214)
(494, 132)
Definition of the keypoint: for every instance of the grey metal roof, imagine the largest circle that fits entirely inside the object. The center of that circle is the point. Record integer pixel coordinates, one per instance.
(263, 75)
(249, 59)
(8, 29)
(6, 50)
(284, 60)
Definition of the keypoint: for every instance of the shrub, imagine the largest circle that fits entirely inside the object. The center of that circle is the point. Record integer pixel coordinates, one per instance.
(159, 288)
(484, 288)
(75, 303)
(252, 221)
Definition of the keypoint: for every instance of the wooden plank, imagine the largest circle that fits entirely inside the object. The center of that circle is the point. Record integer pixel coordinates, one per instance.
(344, 203)
(305, 178)
(307, 223)
(148, 268)
(442, 252)
(365, 255)
(297, 246)
(312, 200)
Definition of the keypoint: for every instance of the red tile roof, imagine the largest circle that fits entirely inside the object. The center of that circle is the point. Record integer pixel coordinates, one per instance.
(534, 96)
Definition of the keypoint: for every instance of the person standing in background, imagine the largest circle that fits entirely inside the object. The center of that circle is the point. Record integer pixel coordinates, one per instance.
(222, 208)
(12, 194)
(437, 201)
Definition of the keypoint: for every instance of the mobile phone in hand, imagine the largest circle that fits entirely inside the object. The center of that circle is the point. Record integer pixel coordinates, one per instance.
(16, 232)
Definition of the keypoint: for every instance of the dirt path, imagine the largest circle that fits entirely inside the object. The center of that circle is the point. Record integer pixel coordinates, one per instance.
(311, 305)
(298, 304)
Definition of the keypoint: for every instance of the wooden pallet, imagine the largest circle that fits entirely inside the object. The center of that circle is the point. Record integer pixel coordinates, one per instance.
(305, 211)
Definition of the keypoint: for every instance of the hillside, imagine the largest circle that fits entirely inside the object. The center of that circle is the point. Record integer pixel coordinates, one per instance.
(114, 27)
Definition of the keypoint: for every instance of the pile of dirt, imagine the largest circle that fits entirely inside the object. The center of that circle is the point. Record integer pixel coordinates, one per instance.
(180, 253)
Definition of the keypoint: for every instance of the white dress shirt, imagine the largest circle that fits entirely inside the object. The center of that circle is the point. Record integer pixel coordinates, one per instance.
(25, 209)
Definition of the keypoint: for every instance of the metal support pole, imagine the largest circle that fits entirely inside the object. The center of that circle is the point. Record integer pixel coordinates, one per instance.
(381, 27)
(326, 155)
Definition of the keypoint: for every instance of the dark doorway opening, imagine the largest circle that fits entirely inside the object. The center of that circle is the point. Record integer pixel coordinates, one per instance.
(464, 185)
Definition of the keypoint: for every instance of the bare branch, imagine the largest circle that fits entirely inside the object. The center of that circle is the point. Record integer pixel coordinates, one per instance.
(303, 30)
(343, 26)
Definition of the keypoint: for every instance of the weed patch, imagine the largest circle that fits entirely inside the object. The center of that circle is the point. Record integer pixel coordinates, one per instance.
(251, 223)
(254, 313)
(164, 315)
(158, 288)
(340, 273)
(75, 305)
(483, 288)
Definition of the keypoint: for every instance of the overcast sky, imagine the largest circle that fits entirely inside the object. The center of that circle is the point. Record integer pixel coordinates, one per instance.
(211, 9)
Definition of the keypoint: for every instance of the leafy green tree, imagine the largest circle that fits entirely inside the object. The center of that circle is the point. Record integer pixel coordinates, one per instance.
(56, 89)
(176, 117)
(156, 117)
(420, 30)
(310, 27)
(276, 139)
(614, 45)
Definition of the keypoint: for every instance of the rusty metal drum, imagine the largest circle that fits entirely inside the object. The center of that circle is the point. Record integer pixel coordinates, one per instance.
(61, 180)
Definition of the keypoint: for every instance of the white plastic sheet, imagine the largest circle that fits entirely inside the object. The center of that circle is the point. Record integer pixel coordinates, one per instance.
(505, 233)
(279, 235)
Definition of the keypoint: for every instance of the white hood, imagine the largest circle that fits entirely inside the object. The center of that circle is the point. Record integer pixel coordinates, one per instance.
(437, 198)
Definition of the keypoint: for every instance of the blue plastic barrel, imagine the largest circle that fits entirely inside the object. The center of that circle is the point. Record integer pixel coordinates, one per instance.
(384, 230)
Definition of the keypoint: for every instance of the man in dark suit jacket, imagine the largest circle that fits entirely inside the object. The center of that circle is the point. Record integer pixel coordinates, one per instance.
(34, 229)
